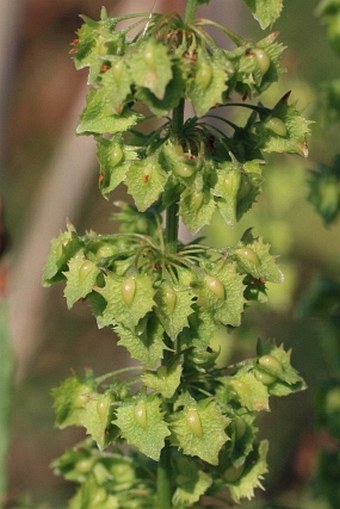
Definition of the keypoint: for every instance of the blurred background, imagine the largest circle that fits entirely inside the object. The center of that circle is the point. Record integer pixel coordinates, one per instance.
(47, 174)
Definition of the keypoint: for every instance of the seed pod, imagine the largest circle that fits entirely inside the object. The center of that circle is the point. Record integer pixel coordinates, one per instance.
(240, 427)
(184, 170)
(197, 199)
(105, 251)
(99, 497)
(162, 372)
(117, 69)
(149, 56)
(84, 466)
(60, 248)
(263, 60)
(204, 75)
(233, 473)
(129, 290)
(82, 398)
(85, 269)
(216, 286)
(170, 298)
(248, 256)
(271, 363)
(264, 377)
(268, 369)
(231, 183)
(194, 422)
(276, 126)
(117, 155)
(245, 186)
(103, 405)
(141, 414)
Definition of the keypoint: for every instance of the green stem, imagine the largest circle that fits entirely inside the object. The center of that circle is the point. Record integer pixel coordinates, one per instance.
(171, 232)
(171, 228)
(190, 11)
(164, 491)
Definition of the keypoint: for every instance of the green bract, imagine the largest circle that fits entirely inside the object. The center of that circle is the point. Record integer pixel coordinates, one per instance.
(183, 419)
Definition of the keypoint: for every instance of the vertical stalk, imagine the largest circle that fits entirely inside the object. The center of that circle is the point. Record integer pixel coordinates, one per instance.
(164, 485)
(171, 228)
(190, 11)
(164, 490)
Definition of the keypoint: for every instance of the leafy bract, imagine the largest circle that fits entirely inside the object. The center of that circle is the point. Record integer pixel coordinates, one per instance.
(288, 379)
(194, 426)
(174, 306)
(266, 12)
(70, 399)
(80, 278)
(100, 117)
(114, 158)
(151, 67)
(145, 181)
(251, 393)
(207, 85)
(252, 475)
(117, 310)
(191, 481)
(255, 259)
(227, 307)
(66, 245)
(196, 208)
(165, 380)
(284, 130)
(142, 425)
(145, 343)
(93, 496)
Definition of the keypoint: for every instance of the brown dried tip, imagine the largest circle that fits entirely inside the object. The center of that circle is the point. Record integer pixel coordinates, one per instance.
(273, 36)
(286, 96)
(305, 150)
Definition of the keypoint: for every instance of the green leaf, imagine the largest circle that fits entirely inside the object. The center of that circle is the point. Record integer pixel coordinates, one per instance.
(81, 277)
(252, 475)
(251, 393)
(99, 116)
(70, 399)
(143, 426)
(174, 92)
(151, 67)
(174, 305)
(251, 181)
(115, 84)
(114, 158)
(62, 249)
(118, 310)
(145, 343)
(92, 496)
(226, 306)
(206, 87)
(255, 259)
(288, 379)
(266, 12)
(284, 130)
(96, 41)
(193, 427)
(145, 181)
(165, 380)
(191, 481)
(226, 191)
(196, 208)
(95, 418)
